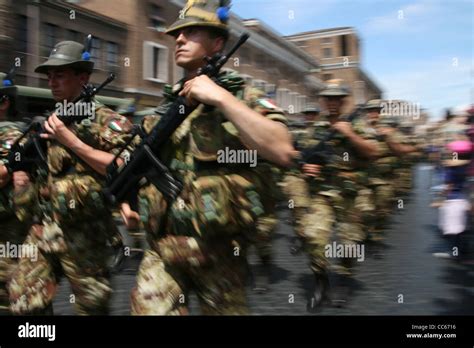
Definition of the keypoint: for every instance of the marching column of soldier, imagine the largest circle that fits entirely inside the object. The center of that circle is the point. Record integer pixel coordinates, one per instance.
(199, 241)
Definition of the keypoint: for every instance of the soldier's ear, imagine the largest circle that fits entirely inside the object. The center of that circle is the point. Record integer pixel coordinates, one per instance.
(219, 44)
(84, 77)
(4, 104)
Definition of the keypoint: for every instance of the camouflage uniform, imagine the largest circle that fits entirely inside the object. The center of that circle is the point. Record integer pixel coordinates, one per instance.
(199, 241)
(71, 224)
(381, 176)
(404, 170)
(12, 230)
(295, 183)
(76, 224)
(339, 196)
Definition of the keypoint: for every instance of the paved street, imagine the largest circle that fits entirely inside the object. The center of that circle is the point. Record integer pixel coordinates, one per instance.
(405, 266)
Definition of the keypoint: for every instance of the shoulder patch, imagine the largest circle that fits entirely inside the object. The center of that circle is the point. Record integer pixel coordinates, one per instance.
(267, 104)
(115, 126)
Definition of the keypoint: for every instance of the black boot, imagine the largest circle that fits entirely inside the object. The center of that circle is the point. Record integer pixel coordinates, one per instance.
(117, 258)
(262, 278)
(340, 290)
(321, 285)
(296, 246)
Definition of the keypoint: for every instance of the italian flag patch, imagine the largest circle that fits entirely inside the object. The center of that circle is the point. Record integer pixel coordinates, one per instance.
(266, 104)
(114, 125)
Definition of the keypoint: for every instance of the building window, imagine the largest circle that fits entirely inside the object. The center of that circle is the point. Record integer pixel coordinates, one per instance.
(112, 54)
(22, 35)
(50, 38)
(327, 52)
(300, 103)
(73, 35)
(283, 98)
(155, 62)
(344, 46)
(327, 77)
(293, 106)
(270, 90)
(259, 84)
(157, 22)
(326, 40)
(96, 53)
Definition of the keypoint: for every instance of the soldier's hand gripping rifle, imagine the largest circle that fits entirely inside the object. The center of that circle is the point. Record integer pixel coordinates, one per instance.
(28, 153)
(320, 153)
(144, 165)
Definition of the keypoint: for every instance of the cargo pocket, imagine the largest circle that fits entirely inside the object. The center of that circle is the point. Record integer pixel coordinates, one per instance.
(246, 202)
(212, 202)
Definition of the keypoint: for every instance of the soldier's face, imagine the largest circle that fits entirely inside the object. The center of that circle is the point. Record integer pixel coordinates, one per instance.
(192, 45)
(66, 84)
(373, 115)
(334, 105)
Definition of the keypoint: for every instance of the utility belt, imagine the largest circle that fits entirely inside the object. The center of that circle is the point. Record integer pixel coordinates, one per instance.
(348, 182)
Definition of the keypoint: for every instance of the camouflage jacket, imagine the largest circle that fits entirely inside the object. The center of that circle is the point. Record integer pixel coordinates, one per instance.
(71, 191)
(218, 198)
(346, 169)
(382, 169)
(9, 133)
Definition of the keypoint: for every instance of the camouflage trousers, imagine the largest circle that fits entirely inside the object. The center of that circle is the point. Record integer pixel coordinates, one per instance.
(80, 257)
(262, 239)
(404, 179)
(11, 231)
(217, 276)
(382, 196)
(297, 190)
(332, 218)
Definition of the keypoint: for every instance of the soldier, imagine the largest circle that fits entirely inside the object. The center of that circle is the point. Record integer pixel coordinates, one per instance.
(295, 184)
(12, 230)
(333, 212)
(381, 175)
(404, 145)
(71, 222)
(267, 223)
(198, 242)
(311, 114)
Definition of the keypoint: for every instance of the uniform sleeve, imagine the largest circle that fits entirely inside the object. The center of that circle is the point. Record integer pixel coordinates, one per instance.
(150, 121)
(257, 101)
(114, 132)
(8, 137)
(24, 202)
(362, 129)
